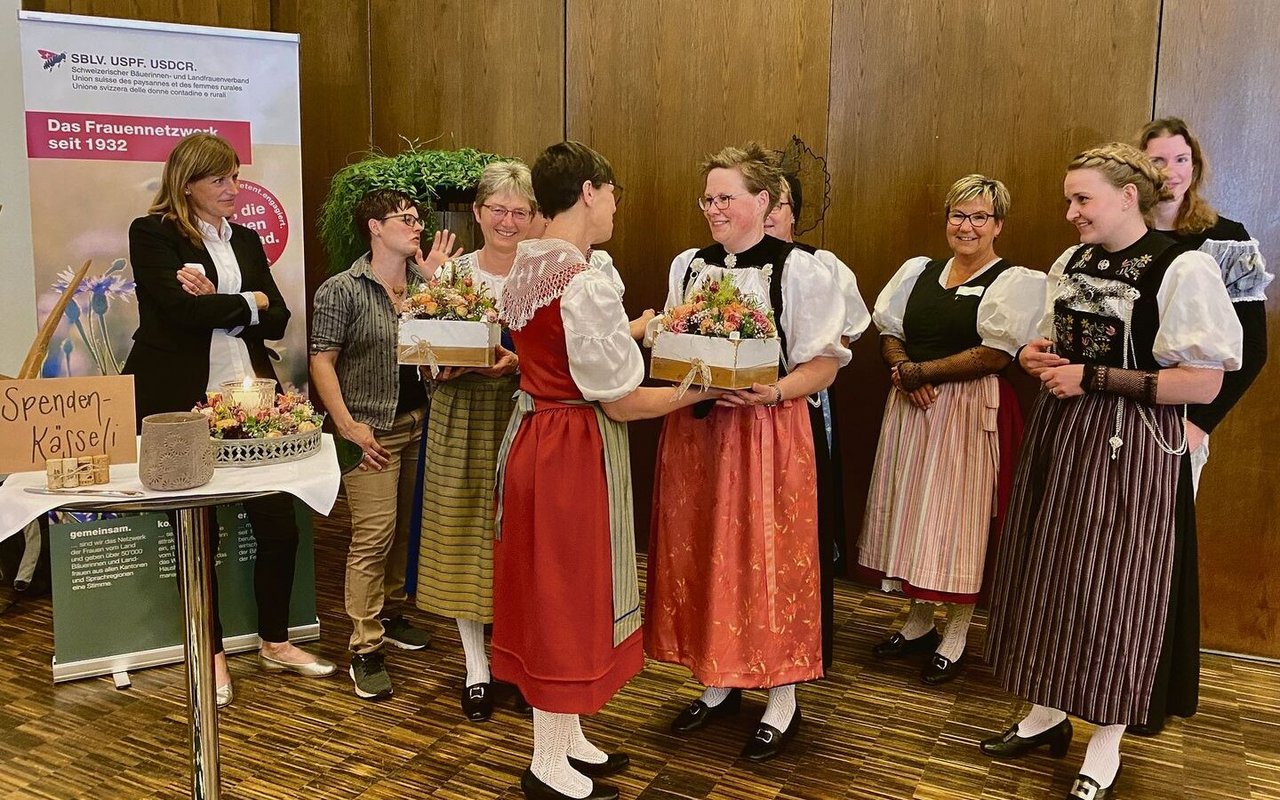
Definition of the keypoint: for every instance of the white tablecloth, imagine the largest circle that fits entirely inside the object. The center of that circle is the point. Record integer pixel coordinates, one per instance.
(313, 480)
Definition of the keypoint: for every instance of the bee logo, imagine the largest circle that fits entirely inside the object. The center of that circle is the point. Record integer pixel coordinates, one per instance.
(52, 59)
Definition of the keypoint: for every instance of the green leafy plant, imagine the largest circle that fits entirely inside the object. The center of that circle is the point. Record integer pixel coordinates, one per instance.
(424, 175)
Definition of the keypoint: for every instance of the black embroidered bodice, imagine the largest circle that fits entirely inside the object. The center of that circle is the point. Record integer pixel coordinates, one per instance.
(1108, 298)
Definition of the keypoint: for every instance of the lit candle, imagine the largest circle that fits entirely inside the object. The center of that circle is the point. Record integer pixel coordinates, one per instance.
(251, 395)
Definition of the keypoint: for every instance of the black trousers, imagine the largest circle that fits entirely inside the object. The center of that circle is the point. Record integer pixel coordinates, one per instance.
(275, 529)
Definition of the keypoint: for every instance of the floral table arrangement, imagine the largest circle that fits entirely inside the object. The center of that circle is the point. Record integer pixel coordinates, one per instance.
(245, 431)
(449, 321)
(718, 338)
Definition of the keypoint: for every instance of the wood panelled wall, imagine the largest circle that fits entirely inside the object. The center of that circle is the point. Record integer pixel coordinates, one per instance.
(901, 97)
(695, 80)
(457, 74)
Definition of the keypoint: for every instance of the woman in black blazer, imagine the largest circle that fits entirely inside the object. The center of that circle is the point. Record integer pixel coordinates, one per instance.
(206, 305)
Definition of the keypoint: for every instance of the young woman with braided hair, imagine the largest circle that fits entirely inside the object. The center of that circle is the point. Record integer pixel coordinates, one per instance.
(1094, 607)
(1187, 218)
(947, 328)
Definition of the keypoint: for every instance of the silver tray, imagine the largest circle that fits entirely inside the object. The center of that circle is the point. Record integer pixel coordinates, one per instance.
(256, 452)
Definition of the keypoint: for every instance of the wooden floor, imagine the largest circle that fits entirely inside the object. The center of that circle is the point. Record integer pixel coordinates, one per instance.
(870, 730)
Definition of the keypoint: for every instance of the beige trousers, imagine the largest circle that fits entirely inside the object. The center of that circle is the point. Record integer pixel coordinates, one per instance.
(381, 502)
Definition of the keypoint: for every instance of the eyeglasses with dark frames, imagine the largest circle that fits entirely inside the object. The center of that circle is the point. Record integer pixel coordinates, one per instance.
(977, 219)
(409, 220)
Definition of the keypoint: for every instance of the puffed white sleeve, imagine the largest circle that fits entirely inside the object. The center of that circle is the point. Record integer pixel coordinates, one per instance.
(1198, 325)
(812, 322)
(1010, 308)
(891, 304)
(604, 262)
(856, 316)
(604, 360)
(1051, 282)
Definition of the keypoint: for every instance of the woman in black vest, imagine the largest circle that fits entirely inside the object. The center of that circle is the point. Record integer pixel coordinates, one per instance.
(947, 327)
(1189, 219)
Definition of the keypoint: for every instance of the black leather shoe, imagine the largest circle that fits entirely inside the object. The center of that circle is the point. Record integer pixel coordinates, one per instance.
(1010, 745)
(1146, 729)
(769, 742)
(477, 702)
(616, 762)
(698, 714)
(898, 646)
(1086, 788)
(535, 789)
(940, 669)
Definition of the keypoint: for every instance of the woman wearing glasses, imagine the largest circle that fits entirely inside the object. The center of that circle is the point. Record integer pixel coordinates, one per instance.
(947, 328)
(733, 579)
(380, 407)
(469, 413)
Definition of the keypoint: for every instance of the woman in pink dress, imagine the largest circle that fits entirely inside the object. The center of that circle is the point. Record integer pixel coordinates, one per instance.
(566, 602)
(734, 587)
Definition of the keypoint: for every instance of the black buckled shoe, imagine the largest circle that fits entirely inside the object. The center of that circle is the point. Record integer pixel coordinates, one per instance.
(898, 646)
(698, 713)
(477, 702)
(1086, 788)
(940, 670)
(616, 762)
(769, 742)
(535, 789)
(1010, 745)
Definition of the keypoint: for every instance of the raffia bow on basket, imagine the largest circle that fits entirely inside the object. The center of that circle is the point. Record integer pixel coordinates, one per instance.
(700, 373)
(419, 350)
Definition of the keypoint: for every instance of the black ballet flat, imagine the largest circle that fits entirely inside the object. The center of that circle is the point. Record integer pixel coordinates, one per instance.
(698, 713)
(940, 670)
(1010, 745)
(898, 646)
(616, 762)
(1086, 788)
(477, 702)
(768, 742)
(535, 789)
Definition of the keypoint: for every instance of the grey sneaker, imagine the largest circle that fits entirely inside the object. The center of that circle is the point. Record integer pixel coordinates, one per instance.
(369, 674)
(397, 631)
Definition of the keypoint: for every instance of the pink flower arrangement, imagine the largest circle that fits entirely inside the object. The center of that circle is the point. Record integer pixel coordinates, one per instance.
(454, 295)
(719, 308)
(292, 413)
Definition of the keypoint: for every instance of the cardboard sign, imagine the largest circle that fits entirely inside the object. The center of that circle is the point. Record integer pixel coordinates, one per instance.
(66, 418)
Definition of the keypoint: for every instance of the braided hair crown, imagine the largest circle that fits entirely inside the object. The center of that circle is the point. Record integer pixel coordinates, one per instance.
(1122, 164)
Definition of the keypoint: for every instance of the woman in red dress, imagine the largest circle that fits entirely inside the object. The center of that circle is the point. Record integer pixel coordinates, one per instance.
(566, 603)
